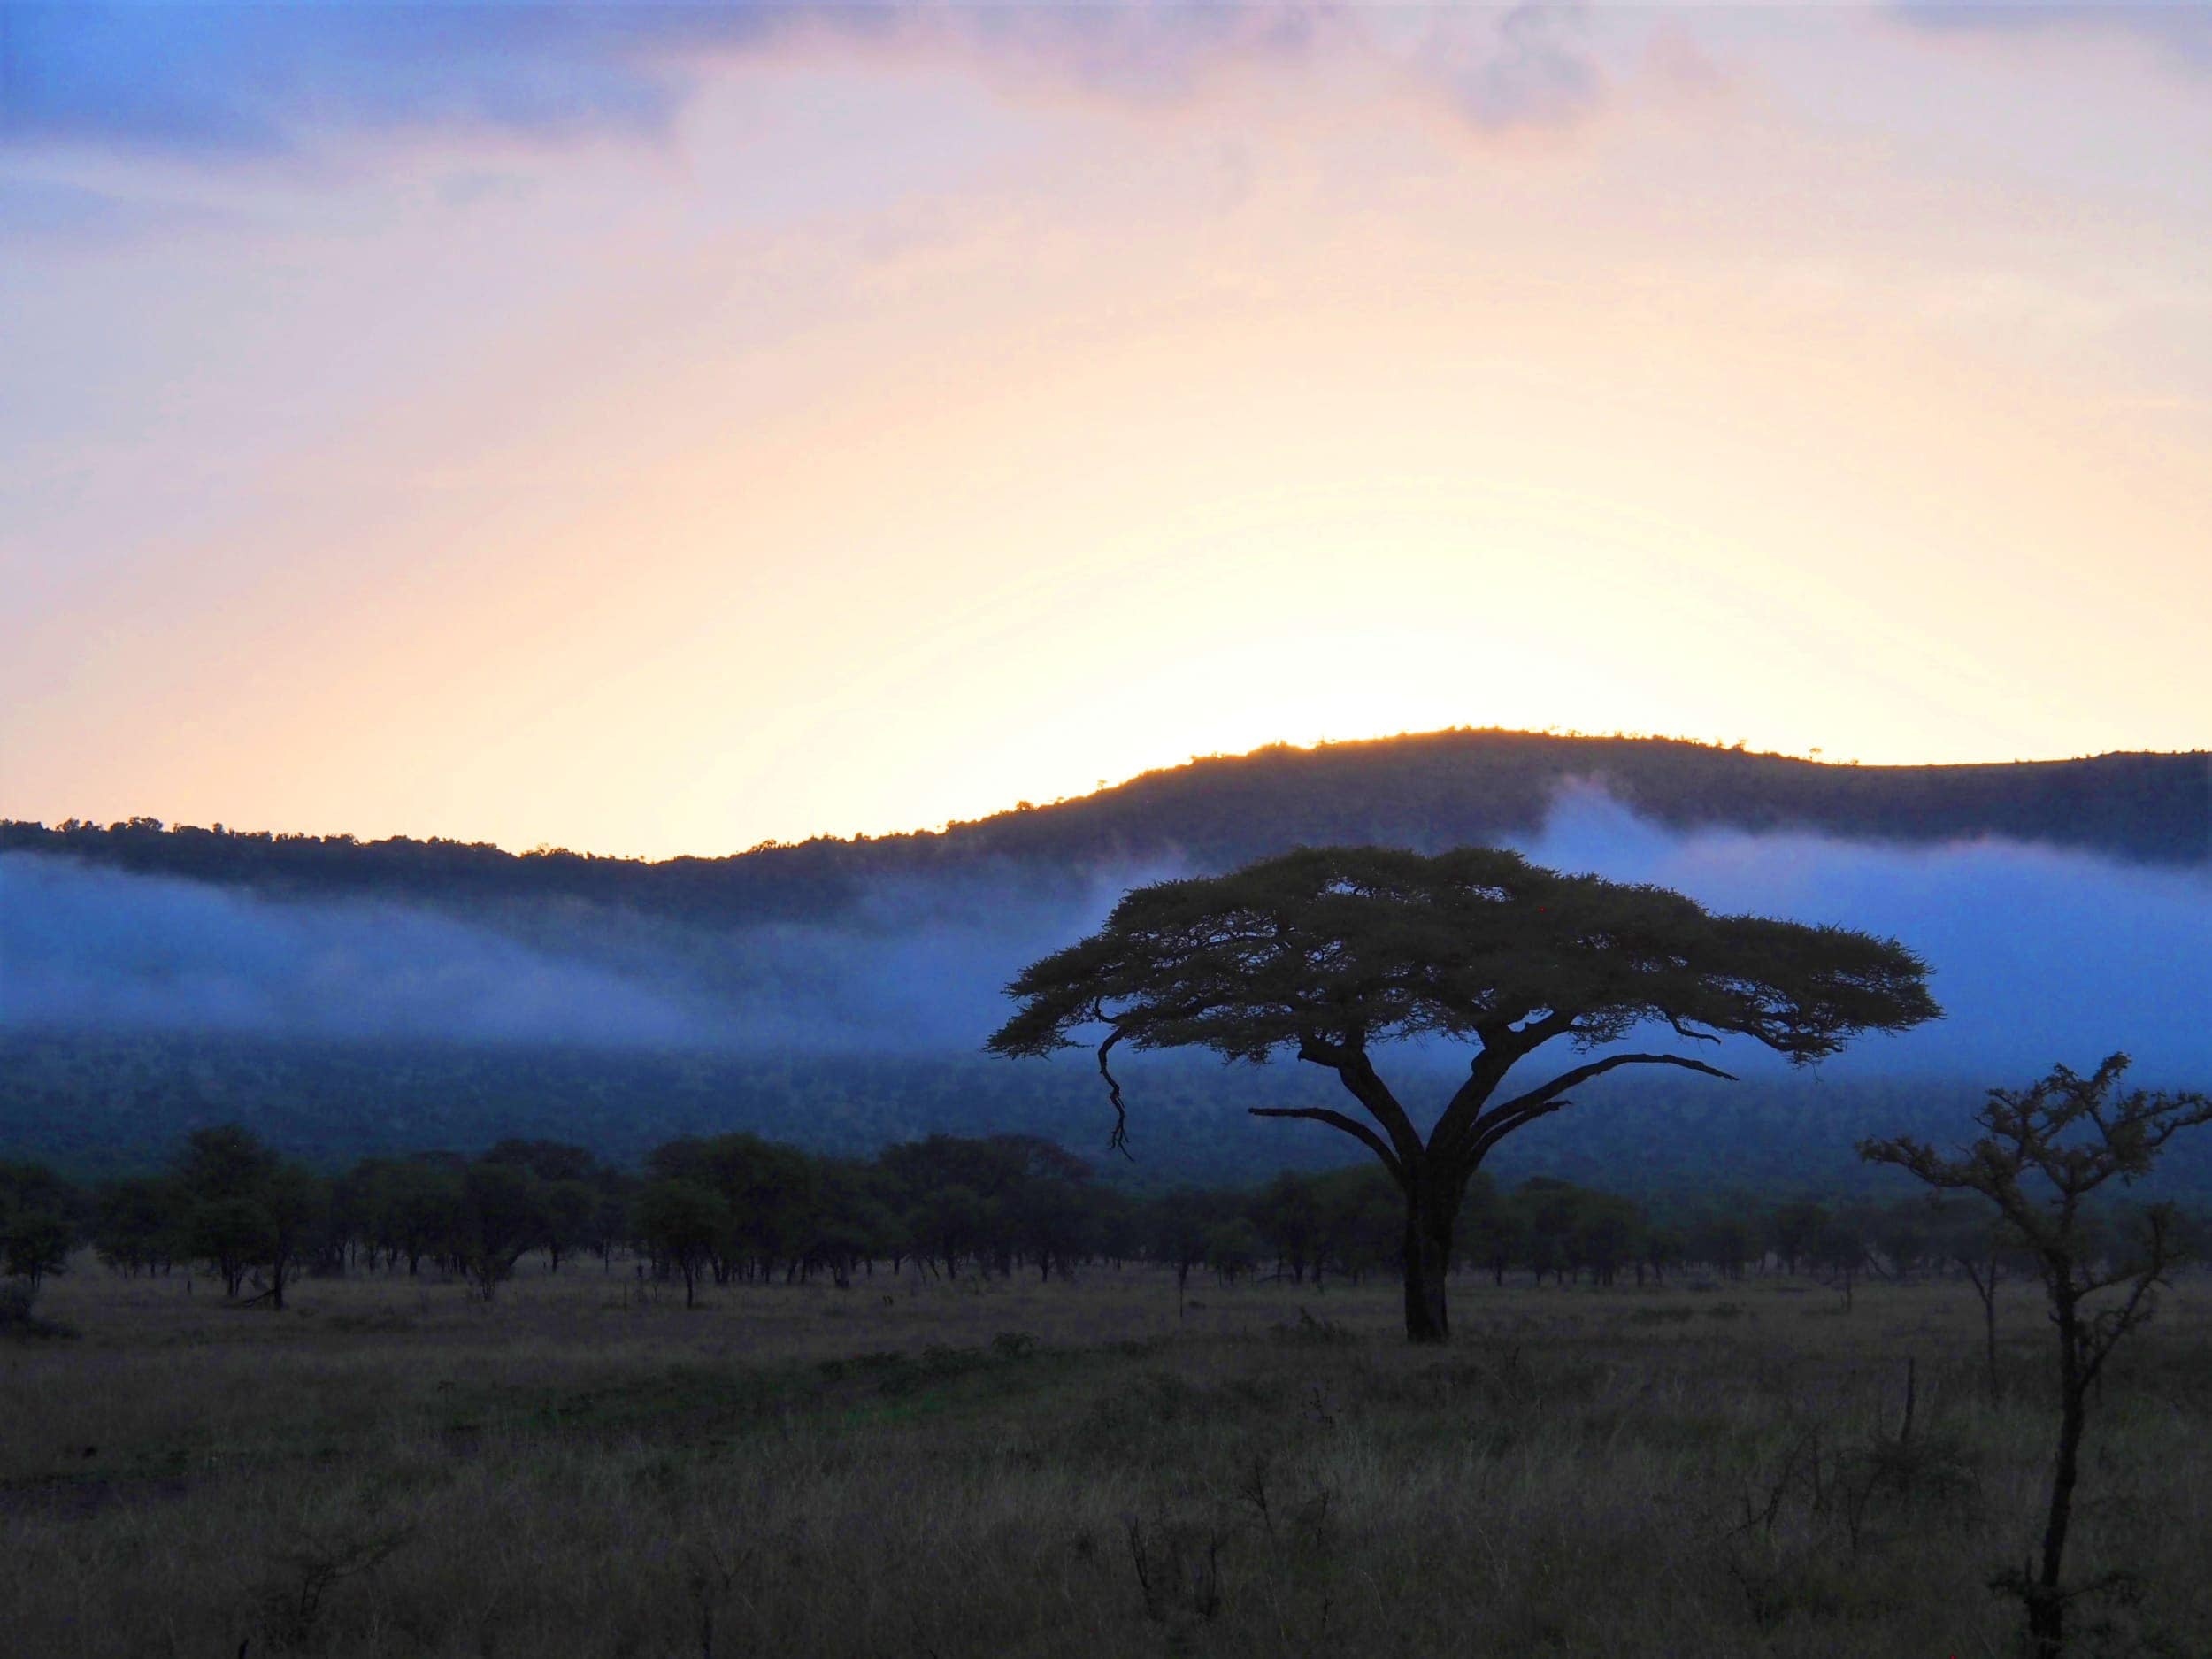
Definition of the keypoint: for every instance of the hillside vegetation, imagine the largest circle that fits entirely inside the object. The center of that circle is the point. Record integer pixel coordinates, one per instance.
(1426, 792)
(901, 998)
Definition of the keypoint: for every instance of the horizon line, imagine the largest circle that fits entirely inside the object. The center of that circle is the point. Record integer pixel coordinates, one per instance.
(1811, 757)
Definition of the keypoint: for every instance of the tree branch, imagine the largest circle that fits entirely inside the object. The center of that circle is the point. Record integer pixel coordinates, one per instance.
(1502, 1119)
(1365, 1085)
(1118, 1140)
(1351, 1126)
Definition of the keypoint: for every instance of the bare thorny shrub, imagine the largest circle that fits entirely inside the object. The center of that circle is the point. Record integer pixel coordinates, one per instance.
(294, 1594)
(1832, 1497)
(714, 1568)
(1265, 1547)
(2046, 1152)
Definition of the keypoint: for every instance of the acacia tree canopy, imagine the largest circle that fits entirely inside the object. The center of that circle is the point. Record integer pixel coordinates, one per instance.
(1324, 953)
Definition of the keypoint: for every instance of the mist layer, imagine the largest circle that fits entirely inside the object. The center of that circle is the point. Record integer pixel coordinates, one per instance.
(2038, 955)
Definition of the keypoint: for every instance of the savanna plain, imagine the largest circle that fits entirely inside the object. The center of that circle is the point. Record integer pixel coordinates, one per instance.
(1096, 1466)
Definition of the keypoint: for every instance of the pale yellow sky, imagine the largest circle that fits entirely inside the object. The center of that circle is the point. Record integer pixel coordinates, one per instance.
(901, 433)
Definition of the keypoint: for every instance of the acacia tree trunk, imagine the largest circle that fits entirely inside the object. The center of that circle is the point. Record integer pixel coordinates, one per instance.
(1428, 1255)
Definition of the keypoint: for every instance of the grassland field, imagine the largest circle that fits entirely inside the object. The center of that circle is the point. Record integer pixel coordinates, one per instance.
(925, 1469)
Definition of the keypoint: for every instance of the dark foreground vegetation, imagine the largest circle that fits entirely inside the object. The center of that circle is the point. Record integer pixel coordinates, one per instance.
(961, 1396)
(964, 1398)
(973, 1464)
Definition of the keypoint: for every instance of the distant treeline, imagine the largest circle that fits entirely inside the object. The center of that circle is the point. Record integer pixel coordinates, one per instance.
(95, 1106)
(1426, 792)
(736, 1207)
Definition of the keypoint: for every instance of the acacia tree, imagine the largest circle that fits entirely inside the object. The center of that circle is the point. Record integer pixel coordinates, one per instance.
(1325, 954)
(294, 1201)
(2046, 1150)
(36, 1210)
(501, 1217)
(680, 1221)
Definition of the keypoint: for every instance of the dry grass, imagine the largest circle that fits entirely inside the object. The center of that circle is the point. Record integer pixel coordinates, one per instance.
(1016, 1469)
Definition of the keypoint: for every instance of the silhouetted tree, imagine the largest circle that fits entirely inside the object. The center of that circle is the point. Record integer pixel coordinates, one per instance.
(1839, 1250)
(227, 1161)
(1182, 1222)
(1985, 1248)
(33, 1245)
(1496, 1230)
(856, 1220)
(294, 1201)
(947, 1225)
(770, 1191)
(1904, 1233)
(1662, 1250)
(1287, 1213)
(1723, 1242)
(411, 1207)
(1606, 1234)
(1049, 1211)
(500, 1218)
(1361, 1216)
(571, 1209)
(1234, 1248)
(1326, 955)
(138, 1223)
(223, 1171)
(1550, 1207)
(1793, 1229)
(38, 1213)
(2046, 1151)
(230, 1235)
(679, 1221)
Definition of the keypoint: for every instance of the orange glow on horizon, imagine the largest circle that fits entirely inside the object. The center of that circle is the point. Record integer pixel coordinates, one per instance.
(1119, 433)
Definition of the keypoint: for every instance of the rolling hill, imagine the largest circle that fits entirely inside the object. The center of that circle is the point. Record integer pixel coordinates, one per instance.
(1427, 792)
(345, 996)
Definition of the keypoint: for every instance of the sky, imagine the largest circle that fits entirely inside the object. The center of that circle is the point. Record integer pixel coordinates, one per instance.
(660, 429)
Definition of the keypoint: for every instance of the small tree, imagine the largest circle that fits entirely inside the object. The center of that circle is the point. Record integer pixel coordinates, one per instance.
(1233, 1249)
(1328, 954)
(247, 1209)
(231, 1235)
(1287, 1213)
(2046, 1151)
(1794, 1230)
(679, 1222)
(571, 1208)
(1984, 1246)
(32, 1246)
(138, 1223)
(227, 1161)
(1839, 1250)
(1722, 1243)
(1182, 1226)
(1497, 1230)
(296, 1201)
(36, 1229)
(221, 1172)
(501, 1217)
